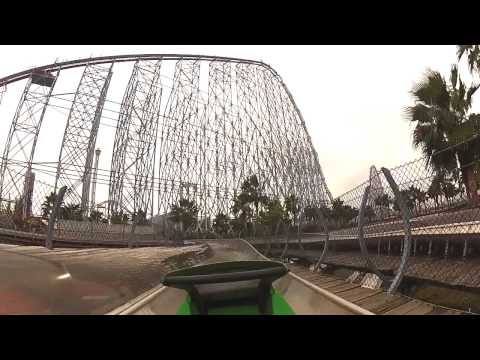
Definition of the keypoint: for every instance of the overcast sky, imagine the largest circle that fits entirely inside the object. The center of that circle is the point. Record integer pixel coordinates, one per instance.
(351, 97)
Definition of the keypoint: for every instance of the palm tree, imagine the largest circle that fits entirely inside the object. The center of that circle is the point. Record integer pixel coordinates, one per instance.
(449, 190)
(382, 203)
(473, 56)
(48, 204)
(251, 195)
(418, 197)
(444, 126)
(435, 189)
(421, 199)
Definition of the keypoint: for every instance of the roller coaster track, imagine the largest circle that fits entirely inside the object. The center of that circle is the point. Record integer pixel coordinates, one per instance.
(121, 58)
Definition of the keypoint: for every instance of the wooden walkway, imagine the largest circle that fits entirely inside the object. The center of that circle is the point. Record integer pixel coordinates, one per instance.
(376, 301)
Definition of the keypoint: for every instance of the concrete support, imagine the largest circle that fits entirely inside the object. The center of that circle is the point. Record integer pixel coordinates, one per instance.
(430, 247)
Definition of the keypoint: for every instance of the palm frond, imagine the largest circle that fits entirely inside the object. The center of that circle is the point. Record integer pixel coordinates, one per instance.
(432, 89)
(454, 76)
(419, 112)
(473, 56)
(461, 49)
(461, 90)
(471, 91)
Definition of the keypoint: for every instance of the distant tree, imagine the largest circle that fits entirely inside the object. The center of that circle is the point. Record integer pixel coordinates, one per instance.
(48, 204)
(141, 217)
(221, 224)
(95, 216)
(421, 197)
(71, 212)
(414, 194)
(247, 205)
(383, 200)
(273, 214)
(449, 190)
(119, 218)
(369, 213)
(310, 213)
(343, 214)
(435, 189)
(292, 208)
(184, 213)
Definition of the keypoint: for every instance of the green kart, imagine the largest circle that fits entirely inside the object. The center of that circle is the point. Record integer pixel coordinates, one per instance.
(231, 288)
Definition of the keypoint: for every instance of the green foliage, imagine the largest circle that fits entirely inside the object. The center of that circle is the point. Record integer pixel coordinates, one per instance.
(141, 218)
(369, 213)
(449, 190)
(342, 214)
(383, 200)
(311, 213)
(119, 218)
(445, 128)
(221, 224)
(291, 206)
(247, 204)
(70, 212)
(273, 214)
(473, 56)
(408, 197)
(47, 205)
(185, 212)
(435, 189)
(96, 216)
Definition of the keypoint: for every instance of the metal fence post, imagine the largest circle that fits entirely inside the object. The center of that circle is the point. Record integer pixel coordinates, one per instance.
(361, 238)
(53, 217)
(406, 216)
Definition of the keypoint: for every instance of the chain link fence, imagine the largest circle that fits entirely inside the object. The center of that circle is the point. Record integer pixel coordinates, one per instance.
(427, 230)
(26, 220)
